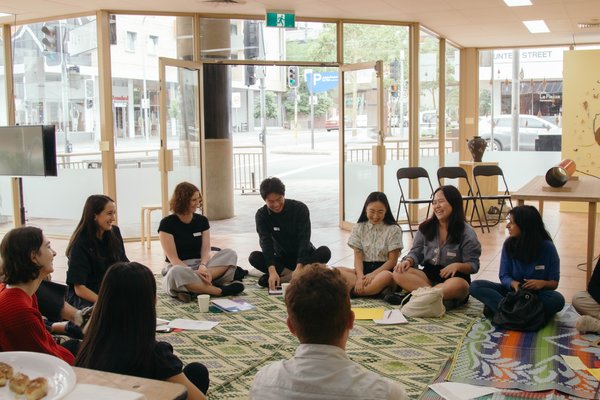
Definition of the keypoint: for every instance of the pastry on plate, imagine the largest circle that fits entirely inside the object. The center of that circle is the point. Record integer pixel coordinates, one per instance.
(18, 383)
(6, 372)
(36, 389)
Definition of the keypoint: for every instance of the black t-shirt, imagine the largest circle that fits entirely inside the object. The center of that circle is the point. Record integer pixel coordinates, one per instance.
(86, 267)
(165, 363)
(188, 237)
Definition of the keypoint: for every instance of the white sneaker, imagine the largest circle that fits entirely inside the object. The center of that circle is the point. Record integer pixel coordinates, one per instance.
(587, 323)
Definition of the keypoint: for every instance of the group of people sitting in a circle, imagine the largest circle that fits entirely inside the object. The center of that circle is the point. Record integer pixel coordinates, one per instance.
(110, 302)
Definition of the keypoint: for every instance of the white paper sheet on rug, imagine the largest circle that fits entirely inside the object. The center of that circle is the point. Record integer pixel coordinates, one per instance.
(392, 317)
(95, 392)
(574, 362)
(461, 391)
(192, 324)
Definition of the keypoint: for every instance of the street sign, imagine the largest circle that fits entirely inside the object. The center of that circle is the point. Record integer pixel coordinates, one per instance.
(281, 19)
(236, 100)
(322, 81)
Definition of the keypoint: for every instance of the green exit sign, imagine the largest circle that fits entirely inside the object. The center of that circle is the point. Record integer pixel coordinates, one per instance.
(281, 19)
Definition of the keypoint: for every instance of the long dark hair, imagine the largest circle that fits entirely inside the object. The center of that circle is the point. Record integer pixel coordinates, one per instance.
(456, 222)
(16, 249)
(87, 228)
(388, 219)
(527, 246)
(121, 334)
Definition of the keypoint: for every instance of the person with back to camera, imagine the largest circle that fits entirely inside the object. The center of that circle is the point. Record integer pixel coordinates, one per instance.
(587, 303)
(27, 259)
(121, 337)
(319, 315)
(185, 239)
(283, 227)
(95, 245)
(529, 260)
(377, 241)
(448, 249)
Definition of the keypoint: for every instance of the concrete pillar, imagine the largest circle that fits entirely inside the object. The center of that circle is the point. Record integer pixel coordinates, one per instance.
(217, 125)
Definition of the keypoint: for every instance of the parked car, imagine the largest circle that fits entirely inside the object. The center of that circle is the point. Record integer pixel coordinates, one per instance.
(333, 123)
(530, 128)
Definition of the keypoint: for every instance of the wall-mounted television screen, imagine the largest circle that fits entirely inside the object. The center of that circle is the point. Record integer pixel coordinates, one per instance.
(28, 150)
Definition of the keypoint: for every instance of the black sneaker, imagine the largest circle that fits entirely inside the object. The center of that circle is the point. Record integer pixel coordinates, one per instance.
(395, 299)
(263, 281)
(487, 312)
(232, 289)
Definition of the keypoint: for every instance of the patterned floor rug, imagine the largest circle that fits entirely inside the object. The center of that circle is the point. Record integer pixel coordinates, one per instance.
(529, 361)
(243, 342)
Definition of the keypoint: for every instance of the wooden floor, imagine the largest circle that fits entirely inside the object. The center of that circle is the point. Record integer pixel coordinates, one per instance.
(569, 231)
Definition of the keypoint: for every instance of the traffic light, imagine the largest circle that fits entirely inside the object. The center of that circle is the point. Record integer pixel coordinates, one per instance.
(54, 43)
(250, 75)
(394, 64)
(292, 76)
(394, 90)
(52, 39)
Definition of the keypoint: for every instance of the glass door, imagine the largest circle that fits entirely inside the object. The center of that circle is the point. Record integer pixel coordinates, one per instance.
(361, 136)
(182, 134)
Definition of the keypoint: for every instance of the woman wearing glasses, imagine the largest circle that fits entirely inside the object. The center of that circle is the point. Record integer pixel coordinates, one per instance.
(446, 247)
(185, 239)
(529, 260)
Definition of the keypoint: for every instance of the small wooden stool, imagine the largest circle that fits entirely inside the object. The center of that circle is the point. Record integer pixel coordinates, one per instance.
(146, 223)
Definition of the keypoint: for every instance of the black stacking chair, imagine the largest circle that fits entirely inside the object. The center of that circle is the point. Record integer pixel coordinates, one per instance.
(411, 173)
(490, 171)
(459, 173)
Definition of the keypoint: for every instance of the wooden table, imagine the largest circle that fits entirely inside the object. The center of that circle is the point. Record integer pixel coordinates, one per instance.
(584, 189)
(152, 389)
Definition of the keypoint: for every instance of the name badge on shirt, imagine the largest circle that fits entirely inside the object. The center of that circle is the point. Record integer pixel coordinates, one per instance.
(196, 234)
(451, 254)
(539, 267)
(276, 229)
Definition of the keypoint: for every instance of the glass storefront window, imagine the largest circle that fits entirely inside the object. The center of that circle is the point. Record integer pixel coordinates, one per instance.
(520, 109)
(6, 204)
(237, 39)
(389, 43)
(429, 112)
(139, 41)
(56, 83)
(452, 104)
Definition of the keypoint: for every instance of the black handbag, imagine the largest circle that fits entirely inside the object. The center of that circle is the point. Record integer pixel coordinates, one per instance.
(520, 311)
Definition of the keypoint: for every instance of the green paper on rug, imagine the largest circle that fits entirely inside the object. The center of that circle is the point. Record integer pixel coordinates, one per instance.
(243, 342)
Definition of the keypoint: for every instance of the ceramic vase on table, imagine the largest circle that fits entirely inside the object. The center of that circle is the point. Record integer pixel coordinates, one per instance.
(477, 146)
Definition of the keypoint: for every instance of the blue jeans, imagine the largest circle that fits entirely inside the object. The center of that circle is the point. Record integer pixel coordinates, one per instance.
(491, 293)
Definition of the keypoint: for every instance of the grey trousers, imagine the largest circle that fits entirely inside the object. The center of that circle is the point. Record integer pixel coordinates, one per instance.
(585, 304)
(177, 276)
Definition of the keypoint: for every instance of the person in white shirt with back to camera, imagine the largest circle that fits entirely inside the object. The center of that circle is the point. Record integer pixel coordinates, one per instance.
(319, 315)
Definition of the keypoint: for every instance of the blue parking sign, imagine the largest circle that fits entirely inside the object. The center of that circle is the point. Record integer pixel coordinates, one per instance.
(322, 81)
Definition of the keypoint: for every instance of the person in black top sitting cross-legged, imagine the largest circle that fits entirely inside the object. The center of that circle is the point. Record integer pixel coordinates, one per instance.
(283, 227)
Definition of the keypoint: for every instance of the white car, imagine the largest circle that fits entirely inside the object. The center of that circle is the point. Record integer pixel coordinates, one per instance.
(530, 128)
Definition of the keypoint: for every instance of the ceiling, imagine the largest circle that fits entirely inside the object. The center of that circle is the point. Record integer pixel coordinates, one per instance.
(468, 23)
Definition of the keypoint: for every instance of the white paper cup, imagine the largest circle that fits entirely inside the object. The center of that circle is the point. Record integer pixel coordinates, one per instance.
(203, 302)
(283, 288)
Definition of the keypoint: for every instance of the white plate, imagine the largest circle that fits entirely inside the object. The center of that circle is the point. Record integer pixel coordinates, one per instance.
(61, 377)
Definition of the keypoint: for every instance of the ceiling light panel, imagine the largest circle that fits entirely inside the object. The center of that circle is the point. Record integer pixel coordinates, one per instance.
(517, 3)
(536, 26)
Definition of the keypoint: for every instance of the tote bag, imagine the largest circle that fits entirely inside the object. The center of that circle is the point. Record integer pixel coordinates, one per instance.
(425, 302)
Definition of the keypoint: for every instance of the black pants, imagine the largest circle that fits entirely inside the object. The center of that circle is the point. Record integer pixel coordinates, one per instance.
(198, 375)
(257, 260)
(51, 300)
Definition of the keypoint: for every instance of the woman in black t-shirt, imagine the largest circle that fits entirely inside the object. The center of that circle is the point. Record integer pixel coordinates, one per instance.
(122, 333)
(95, 245)
(185, 239)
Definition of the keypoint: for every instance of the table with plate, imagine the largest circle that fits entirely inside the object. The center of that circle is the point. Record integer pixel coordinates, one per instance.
(66, 382)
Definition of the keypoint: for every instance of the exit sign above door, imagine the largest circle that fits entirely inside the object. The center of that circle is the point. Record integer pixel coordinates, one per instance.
(281, 19)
